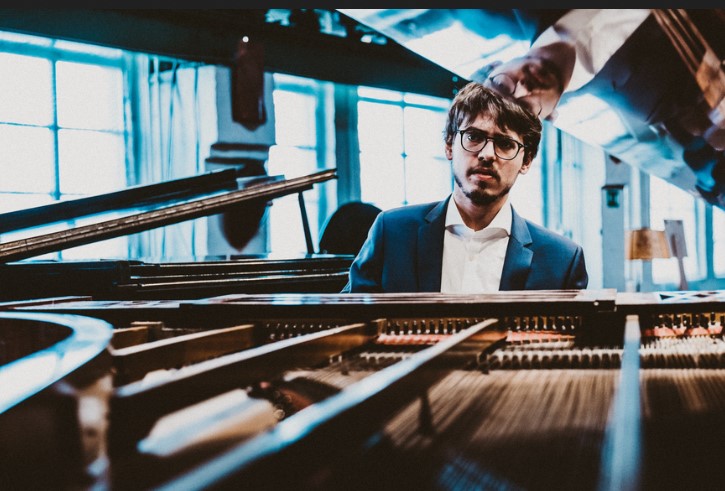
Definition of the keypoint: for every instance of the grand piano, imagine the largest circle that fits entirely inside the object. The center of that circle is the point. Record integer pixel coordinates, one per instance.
(169, 387)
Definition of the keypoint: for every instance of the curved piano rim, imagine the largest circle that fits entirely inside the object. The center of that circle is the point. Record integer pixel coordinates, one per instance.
(22, 378)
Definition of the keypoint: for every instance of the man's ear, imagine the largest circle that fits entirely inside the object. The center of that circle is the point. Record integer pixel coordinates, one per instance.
(482, 73)
(449, 151)
(525, 166)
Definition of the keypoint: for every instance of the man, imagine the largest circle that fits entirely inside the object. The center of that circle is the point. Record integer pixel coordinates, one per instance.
(473, 241)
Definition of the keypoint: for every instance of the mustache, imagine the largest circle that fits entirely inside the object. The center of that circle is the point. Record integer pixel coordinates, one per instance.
(486, 171)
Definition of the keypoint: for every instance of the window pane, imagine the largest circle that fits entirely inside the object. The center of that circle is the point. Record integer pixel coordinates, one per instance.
(427, 179)
(426, 100)
(526, 195)
(382, 180)
(92, 49)
(89, 96)
(382, 177)
(718, 240)
(12, 202)
(26, 159)
(424, 132)
(26, 90)
(286, 234)
(91, 162)
(107, 249)
(296, 127)
(15, 37)
(380, 126)
(291, 161)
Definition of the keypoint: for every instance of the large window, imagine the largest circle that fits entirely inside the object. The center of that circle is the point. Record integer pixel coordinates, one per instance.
(79, 120)
(62, 127)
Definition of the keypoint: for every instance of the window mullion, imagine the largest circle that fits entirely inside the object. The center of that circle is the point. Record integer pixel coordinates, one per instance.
(56, 193)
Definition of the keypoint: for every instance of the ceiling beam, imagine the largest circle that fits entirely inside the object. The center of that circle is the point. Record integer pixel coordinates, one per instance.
(211, 36)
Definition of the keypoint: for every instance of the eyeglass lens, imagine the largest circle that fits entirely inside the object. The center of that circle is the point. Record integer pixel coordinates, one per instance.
(504, 148)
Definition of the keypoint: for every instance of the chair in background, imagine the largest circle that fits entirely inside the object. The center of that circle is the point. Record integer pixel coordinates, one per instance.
(347, 228)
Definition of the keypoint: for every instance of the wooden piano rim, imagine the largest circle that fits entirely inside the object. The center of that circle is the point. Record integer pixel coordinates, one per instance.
(428, 304)
(21, 379)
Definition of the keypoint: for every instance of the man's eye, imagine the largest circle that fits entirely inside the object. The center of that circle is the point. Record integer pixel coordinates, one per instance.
(475, 137)
(505, 144)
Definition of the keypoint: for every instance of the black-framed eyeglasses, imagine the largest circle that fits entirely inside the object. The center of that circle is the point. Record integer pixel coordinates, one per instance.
(504, 147)
(506, 86)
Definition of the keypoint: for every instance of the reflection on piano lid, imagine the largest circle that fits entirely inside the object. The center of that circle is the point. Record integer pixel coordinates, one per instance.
(655, 97)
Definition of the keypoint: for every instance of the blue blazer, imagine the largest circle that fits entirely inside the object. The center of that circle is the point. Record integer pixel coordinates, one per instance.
(404, 253)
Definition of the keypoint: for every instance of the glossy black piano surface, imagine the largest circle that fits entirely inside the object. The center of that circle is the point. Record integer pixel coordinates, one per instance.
(656, 101)
(182, 279)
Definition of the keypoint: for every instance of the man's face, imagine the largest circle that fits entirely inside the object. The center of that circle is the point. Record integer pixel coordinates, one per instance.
(482, 177)
(533, 80)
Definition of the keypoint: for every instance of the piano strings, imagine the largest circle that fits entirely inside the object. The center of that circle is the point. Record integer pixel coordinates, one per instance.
(534, 415)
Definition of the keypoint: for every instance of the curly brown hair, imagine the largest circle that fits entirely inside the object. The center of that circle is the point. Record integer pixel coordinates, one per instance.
(475, 99)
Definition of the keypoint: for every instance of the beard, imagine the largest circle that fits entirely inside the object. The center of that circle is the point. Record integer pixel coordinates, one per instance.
(479, 195)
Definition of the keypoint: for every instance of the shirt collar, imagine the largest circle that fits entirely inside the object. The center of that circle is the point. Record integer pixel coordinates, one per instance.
(502, 220)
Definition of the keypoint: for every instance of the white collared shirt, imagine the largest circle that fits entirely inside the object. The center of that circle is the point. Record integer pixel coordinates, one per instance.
(473, 260)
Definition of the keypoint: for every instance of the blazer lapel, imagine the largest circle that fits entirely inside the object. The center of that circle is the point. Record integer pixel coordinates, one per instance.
(430, 248)
(517, 262)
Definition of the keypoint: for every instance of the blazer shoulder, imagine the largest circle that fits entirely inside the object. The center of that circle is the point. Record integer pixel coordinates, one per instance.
(410, 212)
(544, 237)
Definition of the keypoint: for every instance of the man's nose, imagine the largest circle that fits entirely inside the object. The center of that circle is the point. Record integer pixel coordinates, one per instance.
(487, 151)
(523, 88)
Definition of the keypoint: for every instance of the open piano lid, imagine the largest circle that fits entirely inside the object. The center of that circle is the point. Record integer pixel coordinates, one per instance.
(656, 103)
(36, 231)
(45, 229)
